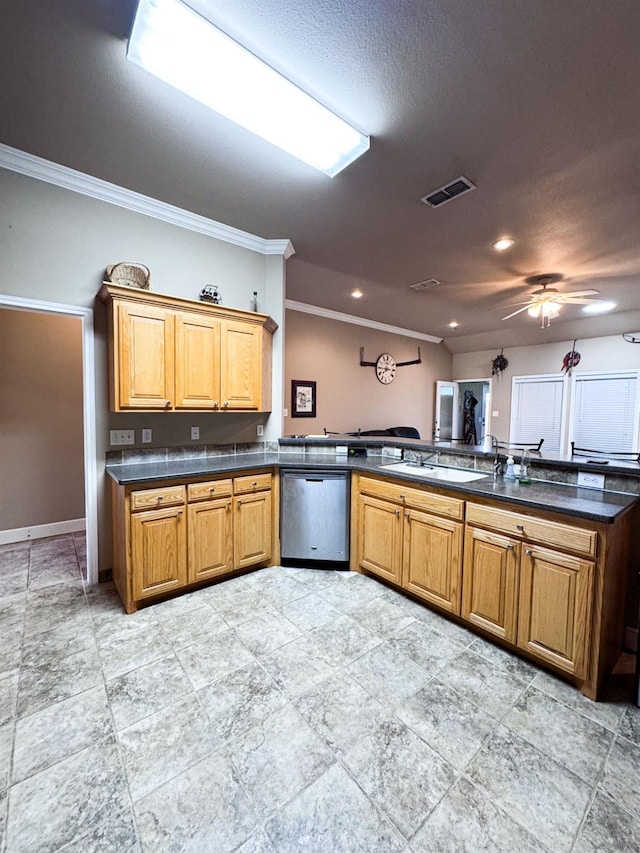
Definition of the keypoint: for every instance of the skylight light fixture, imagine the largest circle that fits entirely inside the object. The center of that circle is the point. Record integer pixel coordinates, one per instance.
(180, 47)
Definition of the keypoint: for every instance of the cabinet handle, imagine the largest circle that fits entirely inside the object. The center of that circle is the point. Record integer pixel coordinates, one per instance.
(406, 515)
(254, 485)
(179, 512)
(401, 497)
(528, 552)
(509, 547)
(520, 527)
(239, 502)
(229, 504)
(226, 403)
(215, 404)
(397, 512)
(212, 489)
(167, 405)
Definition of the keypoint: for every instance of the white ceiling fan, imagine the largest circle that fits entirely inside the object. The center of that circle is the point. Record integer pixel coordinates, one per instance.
(545, 302)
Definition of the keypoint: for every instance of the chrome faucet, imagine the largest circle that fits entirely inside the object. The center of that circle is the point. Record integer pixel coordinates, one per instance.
(426, 458)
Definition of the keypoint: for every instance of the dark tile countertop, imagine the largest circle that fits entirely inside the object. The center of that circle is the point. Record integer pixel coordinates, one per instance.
(556, 497)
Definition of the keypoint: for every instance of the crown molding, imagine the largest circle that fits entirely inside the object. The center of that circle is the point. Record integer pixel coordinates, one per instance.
(69, 179)
(305, 308)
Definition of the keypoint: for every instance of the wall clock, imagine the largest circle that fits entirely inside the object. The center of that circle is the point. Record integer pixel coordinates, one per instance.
(385, 368)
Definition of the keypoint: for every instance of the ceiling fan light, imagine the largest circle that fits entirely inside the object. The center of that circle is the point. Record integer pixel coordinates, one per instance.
(550, 309)
(534, 310)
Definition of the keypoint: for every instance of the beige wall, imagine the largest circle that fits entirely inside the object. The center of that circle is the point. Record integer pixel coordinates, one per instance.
(609, 353)
(349, 396)
(41, 433)
(55, 245)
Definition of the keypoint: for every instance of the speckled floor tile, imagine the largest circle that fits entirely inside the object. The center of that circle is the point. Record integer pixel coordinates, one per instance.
(60, 730)
(116, 834)
(621, 778)
(452, 725)
(47, 607)
(165, 744)
(606, 713)
(283, 590)
(348, 594)
(382, 617)
(516, 775)
(8, 695)
(13, 581)
(278, 758)
(12, 608)
(608, 829)
(59, 642)
(182, 628)
(10, 651)
(343, 640)
(630, 724)
(403, 776)
(388, 675)
(266, 633)
(258, 843)
(314, 579)
(424, 646)
(447, 627)
(340, 711)
(46, 571)
(238, 604)
(510, 662)
(204, 808)
(467, 821)
(125, 652)
(333, 814)
(241, 700)
(212, 657)
(57, 679)
(310, 612)
(576, 741)
(60, 804)
(147, 689)
(110, 620)
(487, 685)
(297, 667)
(6, 746)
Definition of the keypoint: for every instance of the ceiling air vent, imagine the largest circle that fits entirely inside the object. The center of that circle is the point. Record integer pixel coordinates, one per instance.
(424, 285)
(450, 191)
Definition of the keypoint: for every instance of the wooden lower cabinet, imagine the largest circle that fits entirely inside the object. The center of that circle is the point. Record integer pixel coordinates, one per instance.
(168, 536)
(380, 538)
(158, 551)
(491, 580)
(432, 559)
(210, 539)
(555, 602)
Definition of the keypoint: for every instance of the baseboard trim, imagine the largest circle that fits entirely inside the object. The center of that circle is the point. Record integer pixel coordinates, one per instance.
(42, 531)
(631, 639)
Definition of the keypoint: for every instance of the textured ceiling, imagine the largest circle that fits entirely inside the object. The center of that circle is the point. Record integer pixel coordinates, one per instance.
(536, 101)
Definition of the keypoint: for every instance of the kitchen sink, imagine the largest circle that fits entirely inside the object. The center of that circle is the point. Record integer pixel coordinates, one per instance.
(435, 472)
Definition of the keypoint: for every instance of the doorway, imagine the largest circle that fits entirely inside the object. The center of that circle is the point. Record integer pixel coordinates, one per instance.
(88, 444)
(462, 410)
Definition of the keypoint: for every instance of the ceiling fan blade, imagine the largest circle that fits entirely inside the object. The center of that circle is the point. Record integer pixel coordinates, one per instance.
(519, 311)
(581, 301)
(571, 293)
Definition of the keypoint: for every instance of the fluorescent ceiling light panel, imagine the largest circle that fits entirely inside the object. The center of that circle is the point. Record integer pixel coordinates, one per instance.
(180, 47)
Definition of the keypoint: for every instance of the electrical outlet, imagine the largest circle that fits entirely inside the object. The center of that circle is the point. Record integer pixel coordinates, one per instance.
(260, 430)
(591, 481)
(286, 413)
(495, 414)
(195, 433)
(147, 436)
(122, 436)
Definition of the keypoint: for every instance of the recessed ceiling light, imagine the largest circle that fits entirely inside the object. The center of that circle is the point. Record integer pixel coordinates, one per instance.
(453, 324)
(180, 47)
(600, 307)
(503, 244)
(357, 293)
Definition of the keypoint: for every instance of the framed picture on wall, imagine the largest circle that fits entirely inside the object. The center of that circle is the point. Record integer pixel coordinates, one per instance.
(303, 399)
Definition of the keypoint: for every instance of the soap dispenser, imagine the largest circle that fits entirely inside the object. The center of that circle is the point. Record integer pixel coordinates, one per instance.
(510, 473)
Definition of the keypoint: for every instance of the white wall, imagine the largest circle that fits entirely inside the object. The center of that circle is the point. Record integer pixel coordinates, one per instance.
(608, 353)
(55, 245)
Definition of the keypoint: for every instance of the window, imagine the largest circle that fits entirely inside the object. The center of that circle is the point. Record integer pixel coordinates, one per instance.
(604, 411)
(537, 410)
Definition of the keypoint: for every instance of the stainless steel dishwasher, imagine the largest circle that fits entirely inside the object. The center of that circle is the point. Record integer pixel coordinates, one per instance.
(314, 515)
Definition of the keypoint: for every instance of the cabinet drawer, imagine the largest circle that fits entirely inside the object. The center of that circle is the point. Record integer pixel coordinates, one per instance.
(439, 504)
(153, 498)
(251, 483)
(210, 489)
(563, 536)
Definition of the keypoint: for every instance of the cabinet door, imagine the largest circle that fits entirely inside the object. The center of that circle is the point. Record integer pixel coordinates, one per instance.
(158, 551)
(432, 559)
(490, 582)
(241, 365)
(197, 361)
(554, 618)
(252, 525)
(146, 357)
(210, 539)
(380, 538)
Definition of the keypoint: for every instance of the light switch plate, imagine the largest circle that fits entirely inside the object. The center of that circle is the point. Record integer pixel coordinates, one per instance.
(122, 436)
(147, 436)
(260, 430)
(590, 481)
(495, 414)
(195, 433)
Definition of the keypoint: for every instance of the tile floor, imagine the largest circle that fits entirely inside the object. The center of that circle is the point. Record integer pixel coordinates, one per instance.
(289, 710)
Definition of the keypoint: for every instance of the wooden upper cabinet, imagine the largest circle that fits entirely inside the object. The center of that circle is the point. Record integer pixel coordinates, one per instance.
(145, 356)
(197, 361)
(173, 354)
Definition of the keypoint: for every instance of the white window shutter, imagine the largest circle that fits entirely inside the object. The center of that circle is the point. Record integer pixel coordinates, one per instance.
(537, 410)
(605, 411)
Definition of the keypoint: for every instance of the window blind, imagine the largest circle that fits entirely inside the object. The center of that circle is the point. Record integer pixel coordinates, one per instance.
(605, 412)
(536, 410)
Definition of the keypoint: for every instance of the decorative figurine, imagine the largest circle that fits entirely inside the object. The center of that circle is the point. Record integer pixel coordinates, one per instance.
(210, 294)
(500, 364)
